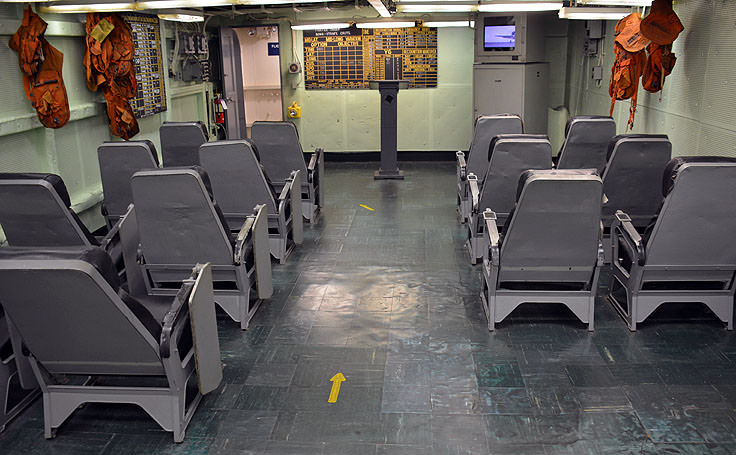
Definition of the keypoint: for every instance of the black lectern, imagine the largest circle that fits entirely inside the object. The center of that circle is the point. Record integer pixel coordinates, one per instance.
(389, 90)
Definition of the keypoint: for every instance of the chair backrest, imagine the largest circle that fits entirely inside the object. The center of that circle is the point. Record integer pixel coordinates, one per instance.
(178, 220)
(118, 162)
(180, 142)
(486, 128)
(279, 149)
(66, 308)
(512, 154)
(586, 142)
(632, 178)
(696, 224)
(34, 212)
(238, 181)
(554, 231)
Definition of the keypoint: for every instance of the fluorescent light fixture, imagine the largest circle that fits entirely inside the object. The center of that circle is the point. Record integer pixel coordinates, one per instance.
(335, 26)
(438, 8)
(611, 14)
(518, 7)
(88, 7)
(380, 7)
(617, 2)
(429, 8)
(164, 4)
(178, 17)
(447, 24)
(395, 24)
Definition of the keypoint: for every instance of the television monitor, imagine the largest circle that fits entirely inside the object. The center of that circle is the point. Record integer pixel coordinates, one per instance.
(499, 37)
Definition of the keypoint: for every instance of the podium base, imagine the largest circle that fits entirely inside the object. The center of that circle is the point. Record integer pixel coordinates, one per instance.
(388, 175)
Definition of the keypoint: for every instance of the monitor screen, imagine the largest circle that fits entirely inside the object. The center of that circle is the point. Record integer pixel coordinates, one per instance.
(499, 37)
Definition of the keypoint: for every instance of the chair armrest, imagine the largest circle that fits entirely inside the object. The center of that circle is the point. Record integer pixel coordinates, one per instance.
(107, 240)
(313, 163)
(284, 196)
(462, 165)
(178, 310)
(474, 190)
(243, 234)
(489, 217)
(630, 235)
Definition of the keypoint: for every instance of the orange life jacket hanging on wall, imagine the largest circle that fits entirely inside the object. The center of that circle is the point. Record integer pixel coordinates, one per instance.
(661, 26)
(628, 64)
(108, 60)
(41, 65)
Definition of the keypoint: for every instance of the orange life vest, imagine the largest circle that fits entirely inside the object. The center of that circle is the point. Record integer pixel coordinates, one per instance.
(628, 64)
(41, 65)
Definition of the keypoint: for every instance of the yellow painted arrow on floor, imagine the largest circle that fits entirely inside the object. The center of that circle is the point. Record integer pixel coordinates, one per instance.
(366, 207)
(336, 381)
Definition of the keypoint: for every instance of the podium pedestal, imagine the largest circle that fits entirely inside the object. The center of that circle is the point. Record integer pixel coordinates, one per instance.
(388, 90)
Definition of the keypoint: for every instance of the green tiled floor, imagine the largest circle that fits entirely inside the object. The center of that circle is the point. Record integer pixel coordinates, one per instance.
(388, 298)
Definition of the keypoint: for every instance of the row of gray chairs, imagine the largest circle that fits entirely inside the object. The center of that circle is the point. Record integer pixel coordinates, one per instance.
(551, 247)
(634, 165)
(585, 145)
(280, 154)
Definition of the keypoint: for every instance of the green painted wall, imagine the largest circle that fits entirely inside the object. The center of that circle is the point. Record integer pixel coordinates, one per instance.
(26, 146)
(699, 100)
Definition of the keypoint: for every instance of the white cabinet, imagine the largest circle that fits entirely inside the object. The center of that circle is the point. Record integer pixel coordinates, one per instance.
(515, 88)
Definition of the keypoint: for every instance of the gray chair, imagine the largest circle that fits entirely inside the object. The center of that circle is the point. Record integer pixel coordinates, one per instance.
(476, 160)
(281, 153)
(586, 142)
(632, 180)
(18, 387)
(508, 157)
(180, 224)
(180, 142)
(688, 253)
(550, 250)
(239, 184)
(113, 342)
(35, 211)
(118, 162)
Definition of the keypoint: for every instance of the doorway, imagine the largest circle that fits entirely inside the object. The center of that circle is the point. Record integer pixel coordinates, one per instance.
(261, 69)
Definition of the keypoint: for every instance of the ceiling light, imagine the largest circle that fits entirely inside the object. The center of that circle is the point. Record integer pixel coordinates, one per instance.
(163, 4)
(335, 26)
(587, 14)
(617, 2)
(412, 8)
(178, 17)
(380, 7)
(395, 24)
(518, 7)
(88, 7)
(447, 24)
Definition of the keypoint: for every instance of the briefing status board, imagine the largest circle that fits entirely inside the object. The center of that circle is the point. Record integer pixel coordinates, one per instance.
(350, 58)
(149, 68)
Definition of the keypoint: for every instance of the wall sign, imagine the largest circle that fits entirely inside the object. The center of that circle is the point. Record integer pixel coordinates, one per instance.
(350, 58)
(149, 68)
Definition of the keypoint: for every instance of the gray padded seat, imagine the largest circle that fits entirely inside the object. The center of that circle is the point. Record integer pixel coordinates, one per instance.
(240, 184)
(631, 179)
(180, 142)
(509, 156)
(550, 250)
(180, 224)
(476, 160)
(586, 142)
(90, 327)
(118, 162)
(35, 212)
(688, 252)
(280, 153)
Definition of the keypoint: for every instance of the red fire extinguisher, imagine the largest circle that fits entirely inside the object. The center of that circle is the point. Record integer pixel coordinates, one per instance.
(220, 108)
